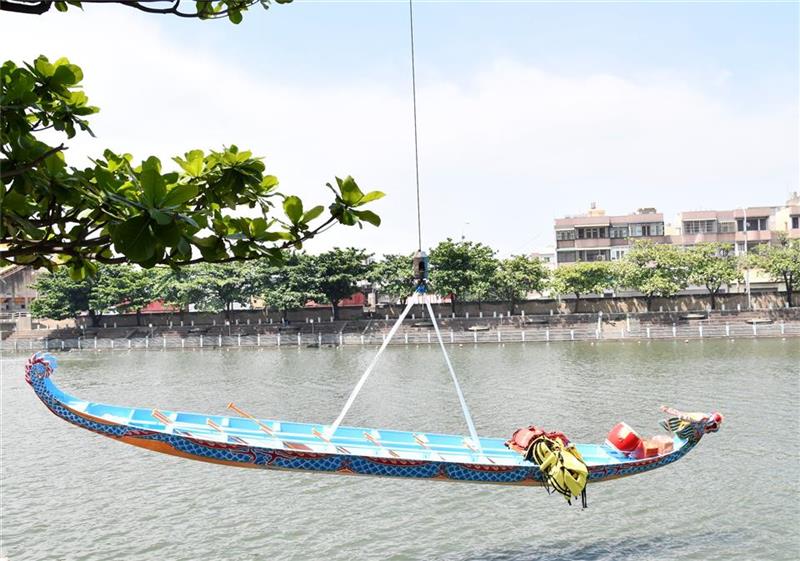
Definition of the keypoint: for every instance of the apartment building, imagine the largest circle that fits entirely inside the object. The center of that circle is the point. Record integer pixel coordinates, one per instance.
(595, 236)
(16, 288)
(743, 228)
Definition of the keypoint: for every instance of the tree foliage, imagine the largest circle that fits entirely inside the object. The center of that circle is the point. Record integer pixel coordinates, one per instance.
(120, 211)
(781, 261)
(656, 270)
(713, 265)
(62, 297)
(462, 269)
(588, 277)
(121, 288)
(213, 287)
(284, 287)
(394, 276)
(516, 277)
(233, 10)
(334, 274)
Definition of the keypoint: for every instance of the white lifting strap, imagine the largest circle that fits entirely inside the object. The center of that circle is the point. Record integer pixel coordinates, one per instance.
(332, 429)
(467, 417)
(414, 299)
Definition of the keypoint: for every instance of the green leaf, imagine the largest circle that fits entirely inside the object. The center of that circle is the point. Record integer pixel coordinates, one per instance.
(179, 195)
(257, 227)
(313, 213)
(210, 241)
(371, 196)
(63, 76)
(134, 239)
(351, 194)
(269, 181)
(162, 218)
(152, 163)
(368, 216)
(293, 207)
(235, 16)
(43, 66)
(153, 187)
(193, 164)
(169, 234)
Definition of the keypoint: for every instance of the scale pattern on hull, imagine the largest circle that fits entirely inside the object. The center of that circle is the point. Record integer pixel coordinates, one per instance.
(41, 366)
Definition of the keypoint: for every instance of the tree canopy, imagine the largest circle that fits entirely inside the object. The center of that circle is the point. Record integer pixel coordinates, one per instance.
(284, 287)
(713, 265)
(233, 10)
(394, 276)
(516, 277)
(119, 211)
(120, 288)
(62, 297)
(462, 268)
(781, 261)
(334, 274)
(587, 277)
(123, 288)
(655, 270)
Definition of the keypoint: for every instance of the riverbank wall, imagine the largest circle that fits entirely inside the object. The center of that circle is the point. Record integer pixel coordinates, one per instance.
(417, 330)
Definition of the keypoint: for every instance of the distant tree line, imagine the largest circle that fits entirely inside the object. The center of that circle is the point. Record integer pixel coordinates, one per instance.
(463, 271)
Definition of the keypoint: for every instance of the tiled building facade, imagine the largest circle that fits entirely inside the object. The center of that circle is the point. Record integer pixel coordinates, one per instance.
(595, 236)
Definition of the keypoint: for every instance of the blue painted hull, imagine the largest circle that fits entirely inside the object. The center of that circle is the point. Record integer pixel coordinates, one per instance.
(270, 444)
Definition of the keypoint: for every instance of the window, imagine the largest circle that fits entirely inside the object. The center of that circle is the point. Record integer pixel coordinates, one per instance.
(594, 255)
(649, 229)
(567, 257)
(592, 233)
(699, 226)
(617, 254)
(727, 227)
(619, 231)
(753, 224)
(565, 235)
(795, 222)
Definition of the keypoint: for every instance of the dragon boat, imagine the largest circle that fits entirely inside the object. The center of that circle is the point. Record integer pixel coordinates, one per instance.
(245, 441)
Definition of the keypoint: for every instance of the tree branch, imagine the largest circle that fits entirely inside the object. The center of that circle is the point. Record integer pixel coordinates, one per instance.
(171, 10)
(174, 9)
(31, 165)
(23, 7)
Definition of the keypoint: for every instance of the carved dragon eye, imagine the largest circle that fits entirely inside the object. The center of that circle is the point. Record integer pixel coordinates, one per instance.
(714, 421)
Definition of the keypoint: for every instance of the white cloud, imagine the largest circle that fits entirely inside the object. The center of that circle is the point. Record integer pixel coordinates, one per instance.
(505, 150)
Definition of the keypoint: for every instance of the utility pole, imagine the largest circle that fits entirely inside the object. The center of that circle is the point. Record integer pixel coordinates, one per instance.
(747, 265)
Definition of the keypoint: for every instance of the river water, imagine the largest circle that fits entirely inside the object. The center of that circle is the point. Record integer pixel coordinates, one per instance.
(70, 494)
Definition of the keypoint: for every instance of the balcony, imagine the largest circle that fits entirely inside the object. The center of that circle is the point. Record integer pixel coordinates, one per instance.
(715, 237)
(754, 236)
(592, 243)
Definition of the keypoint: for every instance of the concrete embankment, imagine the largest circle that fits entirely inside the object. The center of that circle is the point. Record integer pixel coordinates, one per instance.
(415, 331)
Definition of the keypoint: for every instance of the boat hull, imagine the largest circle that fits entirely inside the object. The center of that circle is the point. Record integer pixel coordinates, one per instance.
(295, 452)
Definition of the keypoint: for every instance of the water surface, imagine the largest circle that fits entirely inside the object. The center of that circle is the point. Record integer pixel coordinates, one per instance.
(70, 494)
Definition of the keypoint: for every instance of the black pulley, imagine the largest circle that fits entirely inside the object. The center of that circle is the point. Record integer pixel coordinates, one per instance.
(420, 266)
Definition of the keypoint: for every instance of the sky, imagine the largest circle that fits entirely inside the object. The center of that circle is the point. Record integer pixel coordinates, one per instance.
(527, 111)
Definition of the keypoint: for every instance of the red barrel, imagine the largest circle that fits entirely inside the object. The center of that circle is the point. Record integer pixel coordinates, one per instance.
(623, 438)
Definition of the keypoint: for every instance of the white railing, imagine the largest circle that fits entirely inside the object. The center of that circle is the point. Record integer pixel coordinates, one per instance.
(545, 334)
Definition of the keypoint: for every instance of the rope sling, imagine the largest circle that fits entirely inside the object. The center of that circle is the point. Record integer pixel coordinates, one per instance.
(420, 295)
